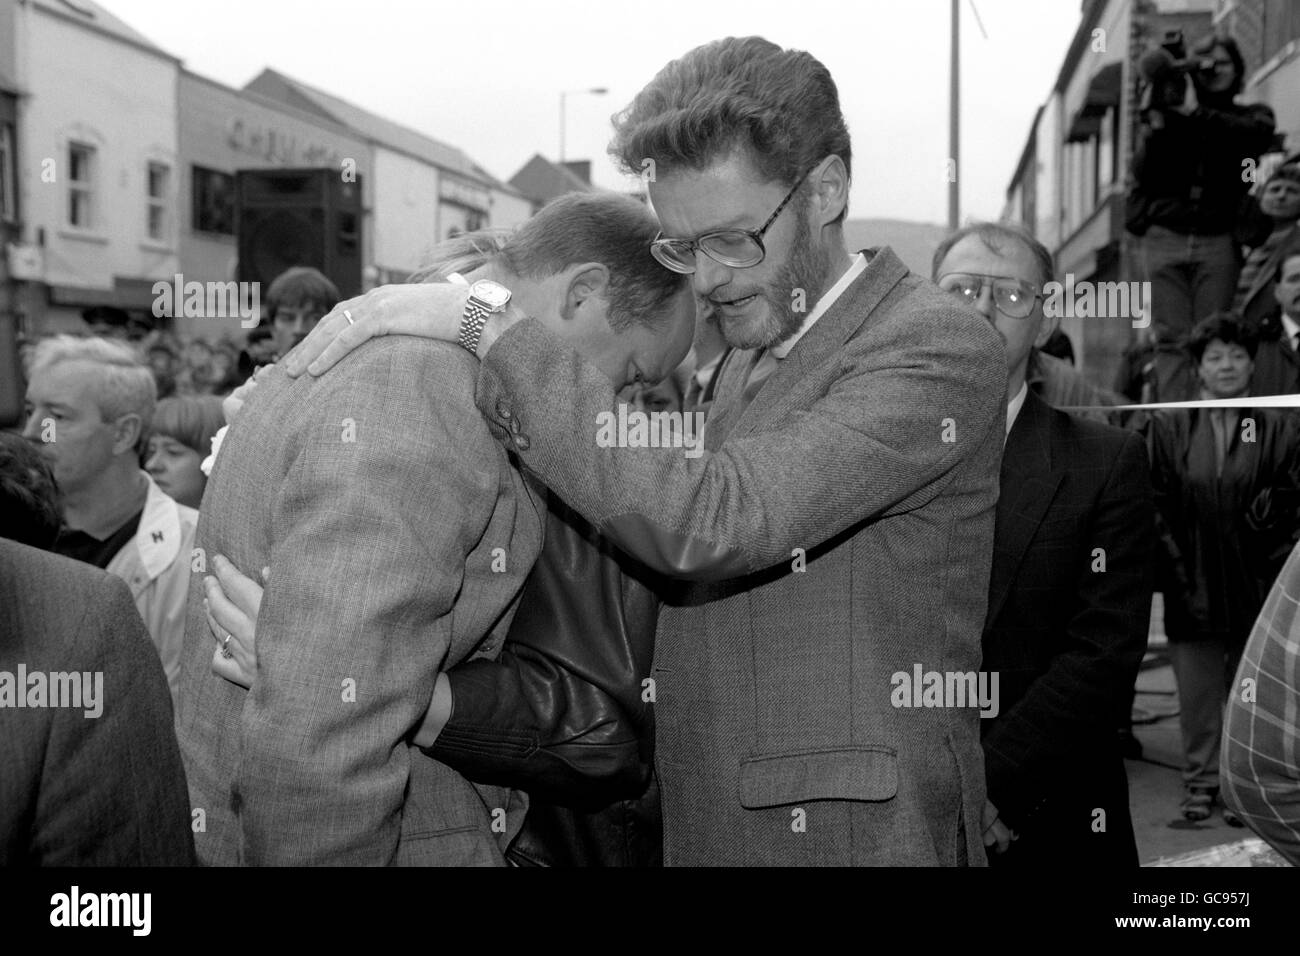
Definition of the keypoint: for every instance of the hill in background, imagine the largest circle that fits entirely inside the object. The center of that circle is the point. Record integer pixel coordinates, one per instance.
(913, 242)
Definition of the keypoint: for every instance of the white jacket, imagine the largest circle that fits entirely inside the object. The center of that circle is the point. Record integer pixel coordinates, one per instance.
(155, 564)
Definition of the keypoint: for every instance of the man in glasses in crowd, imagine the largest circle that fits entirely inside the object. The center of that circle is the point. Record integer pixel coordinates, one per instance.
(1070, 590)
(836, 532)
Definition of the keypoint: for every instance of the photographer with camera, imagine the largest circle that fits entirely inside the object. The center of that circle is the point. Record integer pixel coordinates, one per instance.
(1195, 146)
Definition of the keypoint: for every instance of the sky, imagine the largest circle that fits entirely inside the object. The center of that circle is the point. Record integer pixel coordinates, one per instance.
(487, 76)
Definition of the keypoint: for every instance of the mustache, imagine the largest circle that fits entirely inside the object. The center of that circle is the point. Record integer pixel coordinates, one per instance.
(716, 301)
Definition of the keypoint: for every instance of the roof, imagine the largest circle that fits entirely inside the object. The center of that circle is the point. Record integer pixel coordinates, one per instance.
(1092, 12)
(313, 116)
(542, 180)
(276, 86)
(95, 17)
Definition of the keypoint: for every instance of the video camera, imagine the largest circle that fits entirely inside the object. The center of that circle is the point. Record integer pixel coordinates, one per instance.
(1165, 69)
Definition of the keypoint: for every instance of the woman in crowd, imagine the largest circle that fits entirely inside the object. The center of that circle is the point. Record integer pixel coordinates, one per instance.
(1227, 484)
(180, 438)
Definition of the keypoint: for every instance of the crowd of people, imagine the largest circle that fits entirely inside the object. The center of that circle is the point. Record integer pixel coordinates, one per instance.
(957, 499)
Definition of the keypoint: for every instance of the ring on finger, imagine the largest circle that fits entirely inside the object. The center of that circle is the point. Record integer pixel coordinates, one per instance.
(348, 315)
(225, 646)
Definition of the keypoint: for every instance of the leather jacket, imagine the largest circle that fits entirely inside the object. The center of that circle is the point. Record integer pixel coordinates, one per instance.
(560, 715)
(1225, 536)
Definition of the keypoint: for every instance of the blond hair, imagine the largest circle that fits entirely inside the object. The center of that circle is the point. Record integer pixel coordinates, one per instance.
(124, 385)
(463, 253)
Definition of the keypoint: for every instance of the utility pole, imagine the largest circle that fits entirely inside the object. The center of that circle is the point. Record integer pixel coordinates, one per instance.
(595, 90)
(954, 121)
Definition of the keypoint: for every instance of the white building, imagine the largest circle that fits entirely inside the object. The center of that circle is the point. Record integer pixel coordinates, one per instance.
(422, 191)
(97, 170)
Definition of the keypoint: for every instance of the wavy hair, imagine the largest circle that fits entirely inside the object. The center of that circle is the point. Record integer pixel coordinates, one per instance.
(780, 105)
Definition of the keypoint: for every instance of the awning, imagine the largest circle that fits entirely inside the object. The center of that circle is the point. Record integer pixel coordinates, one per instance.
(127, 293)
(1084, 128)
(1103, 90)
(1103, 94)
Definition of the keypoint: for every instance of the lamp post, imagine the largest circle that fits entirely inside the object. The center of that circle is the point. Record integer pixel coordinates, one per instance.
(954, 118)
(597, 90)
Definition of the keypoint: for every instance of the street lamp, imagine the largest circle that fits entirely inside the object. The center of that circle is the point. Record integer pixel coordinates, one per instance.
(597, 90)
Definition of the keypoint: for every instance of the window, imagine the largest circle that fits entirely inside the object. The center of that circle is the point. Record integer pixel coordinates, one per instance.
(81, 193)
(158, 177)
(8, 207)
(213, 207)
(1281, 25)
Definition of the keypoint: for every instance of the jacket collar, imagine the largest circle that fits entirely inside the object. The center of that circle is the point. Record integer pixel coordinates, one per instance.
(158, 539)
(852, 310)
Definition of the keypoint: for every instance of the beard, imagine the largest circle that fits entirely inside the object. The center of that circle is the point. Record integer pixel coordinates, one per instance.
(807, 268)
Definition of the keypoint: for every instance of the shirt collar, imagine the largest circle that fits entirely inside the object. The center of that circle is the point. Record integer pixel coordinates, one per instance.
(1016, 403)
(855, 269)
(1291, 326)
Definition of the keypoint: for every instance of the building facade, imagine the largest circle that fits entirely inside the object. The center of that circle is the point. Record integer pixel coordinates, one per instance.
(1269, 34)
(118, 166)
(11, 401)
(1069, 185)
(224, 130)
(424, 190)
(97, 163)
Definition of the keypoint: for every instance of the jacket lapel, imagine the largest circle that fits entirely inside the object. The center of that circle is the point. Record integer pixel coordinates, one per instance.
(1028, 484)
(732, 375)
(850, 312)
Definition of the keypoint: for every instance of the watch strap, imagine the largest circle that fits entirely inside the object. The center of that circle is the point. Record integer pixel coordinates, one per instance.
(471, 325)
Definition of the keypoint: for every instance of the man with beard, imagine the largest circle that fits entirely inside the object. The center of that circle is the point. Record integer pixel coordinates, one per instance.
(837, 529)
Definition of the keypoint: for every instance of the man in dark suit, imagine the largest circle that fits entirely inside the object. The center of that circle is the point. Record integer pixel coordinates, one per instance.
(1279, 206)
(91, 771)
(1277, 357)
(1070, 590)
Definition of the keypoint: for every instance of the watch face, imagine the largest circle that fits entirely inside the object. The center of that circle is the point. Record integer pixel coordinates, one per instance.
(493, 293)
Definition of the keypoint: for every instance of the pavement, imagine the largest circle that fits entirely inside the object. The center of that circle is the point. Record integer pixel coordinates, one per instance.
(1164, 838)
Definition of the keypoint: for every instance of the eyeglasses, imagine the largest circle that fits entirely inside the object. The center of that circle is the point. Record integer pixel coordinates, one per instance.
(737, 248)
(1014, 299)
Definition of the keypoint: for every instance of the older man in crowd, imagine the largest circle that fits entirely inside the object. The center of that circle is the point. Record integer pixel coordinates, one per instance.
(1277, 356)
(89, 405)
(1070, 591)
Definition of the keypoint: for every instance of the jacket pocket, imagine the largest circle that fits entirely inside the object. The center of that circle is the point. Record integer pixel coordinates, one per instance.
(850, 773)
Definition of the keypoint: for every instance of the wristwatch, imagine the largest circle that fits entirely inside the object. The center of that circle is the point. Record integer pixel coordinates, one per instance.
(486, 298)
